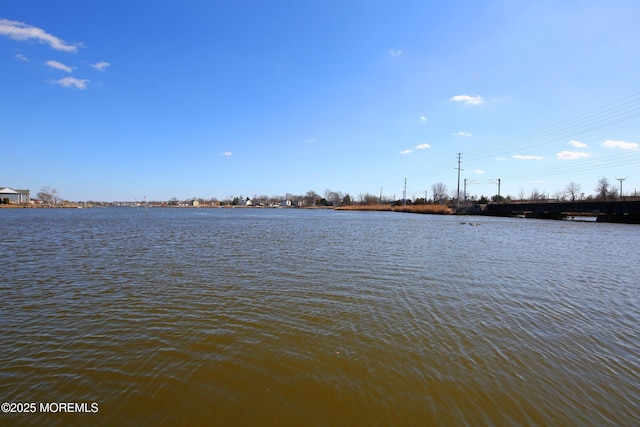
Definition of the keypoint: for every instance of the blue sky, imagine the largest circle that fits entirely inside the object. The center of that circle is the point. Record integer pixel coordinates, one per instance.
(121, 100)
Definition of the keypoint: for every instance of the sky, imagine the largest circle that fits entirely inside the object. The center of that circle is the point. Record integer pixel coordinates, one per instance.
(114, 101)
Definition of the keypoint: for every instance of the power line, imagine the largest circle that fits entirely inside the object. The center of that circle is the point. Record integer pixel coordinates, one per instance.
(620, 113)
(605, 162)
(617, 112)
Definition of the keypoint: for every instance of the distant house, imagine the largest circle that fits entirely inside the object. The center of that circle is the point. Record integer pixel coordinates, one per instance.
(15, 196)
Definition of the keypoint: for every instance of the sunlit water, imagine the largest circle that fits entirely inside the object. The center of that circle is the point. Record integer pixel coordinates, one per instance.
(316, 317)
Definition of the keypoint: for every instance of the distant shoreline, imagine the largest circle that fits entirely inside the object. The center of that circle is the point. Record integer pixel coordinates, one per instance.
(423, 209)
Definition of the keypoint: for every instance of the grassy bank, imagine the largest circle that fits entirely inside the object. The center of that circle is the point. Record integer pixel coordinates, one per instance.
(423, 209)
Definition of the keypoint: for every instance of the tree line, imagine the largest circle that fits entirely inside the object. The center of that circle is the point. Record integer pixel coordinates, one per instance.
(440, 194)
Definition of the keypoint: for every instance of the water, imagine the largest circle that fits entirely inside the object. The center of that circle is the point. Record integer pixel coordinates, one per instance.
(309, 317)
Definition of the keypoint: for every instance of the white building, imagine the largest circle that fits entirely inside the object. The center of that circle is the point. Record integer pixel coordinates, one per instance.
(15, 196)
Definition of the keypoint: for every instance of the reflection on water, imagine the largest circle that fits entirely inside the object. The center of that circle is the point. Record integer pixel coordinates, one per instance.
(302, 317)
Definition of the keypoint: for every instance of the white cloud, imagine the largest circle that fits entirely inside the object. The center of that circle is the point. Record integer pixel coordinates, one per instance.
(72, 81)
(395, 52)
(59, 66)
(423, 147)
(406, 151)
(101, 66)
(423, 119)
(227, 153)
(468, 99)
(501, 158)
(527, 157)
(539, 181)
(571, 155)
(21, 31)
(577, 144)
(461, 133)
(21, 57)
(621, 144)
(478, 171)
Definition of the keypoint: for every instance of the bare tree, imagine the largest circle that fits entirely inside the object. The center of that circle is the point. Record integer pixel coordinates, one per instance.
(369, 199)
(573, 190)
(560, 195)
(332, 197)
(536, 195)
(275, 200)
(439, 191)
(47, 194)
(311, 198)
(44, 194)
(604, 190)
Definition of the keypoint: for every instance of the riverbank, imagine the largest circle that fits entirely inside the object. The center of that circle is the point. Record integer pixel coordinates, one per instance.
(42, 206)
(422, 209)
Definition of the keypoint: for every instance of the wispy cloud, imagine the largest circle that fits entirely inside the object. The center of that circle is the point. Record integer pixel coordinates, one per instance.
(621, 144)
(461, 133)
(58, 66)
(468, 99)
(571, 155)
(21, 57)
(501, 158)
(72, 82)
(21, 31)
(310, 141)
(527, 157)
(395, 52)
(227, 154)
(101, 66)
(423, 119)
(577, 144)
(406, 152)
(478, 171)
(422, 146)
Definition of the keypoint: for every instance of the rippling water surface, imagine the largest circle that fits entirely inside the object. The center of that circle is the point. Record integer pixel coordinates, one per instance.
(314, 317)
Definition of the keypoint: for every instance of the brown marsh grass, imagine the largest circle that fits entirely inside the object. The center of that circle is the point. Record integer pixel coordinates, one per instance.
(423, 209)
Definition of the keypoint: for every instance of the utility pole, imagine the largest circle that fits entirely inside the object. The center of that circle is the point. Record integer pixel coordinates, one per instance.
(465, 191)
(458, 197)
(497, 181)
(404, 192)
(621, 179)
(380, 195)
(467, 181)
(425, 197)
